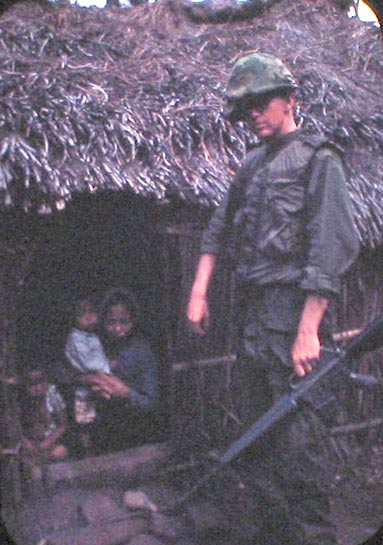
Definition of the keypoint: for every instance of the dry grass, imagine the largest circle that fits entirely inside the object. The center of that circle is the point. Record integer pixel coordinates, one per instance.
(130, 98)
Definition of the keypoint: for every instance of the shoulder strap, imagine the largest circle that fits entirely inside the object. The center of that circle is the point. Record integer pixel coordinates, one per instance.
(239, 184)
(318, 142)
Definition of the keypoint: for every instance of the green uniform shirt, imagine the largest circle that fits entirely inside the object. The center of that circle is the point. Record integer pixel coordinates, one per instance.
(287, 217)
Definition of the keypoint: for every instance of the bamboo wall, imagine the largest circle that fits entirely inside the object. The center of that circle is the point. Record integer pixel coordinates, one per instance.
(14, 262)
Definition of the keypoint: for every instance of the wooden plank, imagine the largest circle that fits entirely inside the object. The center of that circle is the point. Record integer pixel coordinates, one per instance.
(184, 229)
(346, 335)
(130, 461)
(119, 531)
(219, 360)
(230, 358)
(357, 426)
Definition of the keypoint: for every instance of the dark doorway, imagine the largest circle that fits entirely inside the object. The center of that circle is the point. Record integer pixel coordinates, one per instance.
(97, 243)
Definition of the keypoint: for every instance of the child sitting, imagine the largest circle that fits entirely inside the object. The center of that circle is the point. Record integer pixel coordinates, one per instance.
(44, 419)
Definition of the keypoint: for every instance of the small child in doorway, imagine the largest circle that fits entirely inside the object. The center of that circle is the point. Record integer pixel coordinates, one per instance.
(84, 351)
(44, 419)
(83, 348)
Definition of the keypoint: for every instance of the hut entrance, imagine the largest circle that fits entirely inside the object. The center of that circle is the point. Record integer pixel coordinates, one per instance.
(106, 240)
(98, 243)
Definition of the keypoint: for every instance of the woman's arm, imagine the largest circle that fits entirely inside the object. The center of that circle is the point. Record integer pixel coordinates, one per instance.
(138, 367)
(108, 386)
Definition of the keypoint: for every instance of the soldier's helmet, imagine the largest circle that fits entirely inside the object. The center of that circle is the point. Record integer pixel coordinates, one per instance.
(254, 74)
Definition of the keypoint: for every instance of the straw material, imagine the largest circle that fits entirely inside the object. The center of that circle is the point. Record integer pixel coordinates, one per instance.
(130, 99)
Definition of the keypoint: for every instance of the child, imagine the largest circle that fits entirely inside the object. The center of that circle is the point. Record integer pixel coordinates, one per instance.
(83, 348)
(84, 351)
(44, 419)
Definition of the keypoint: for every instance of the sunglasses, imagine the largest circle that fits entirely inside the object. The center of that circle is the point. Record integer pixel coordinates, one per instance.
(255, 102)
(259, 102)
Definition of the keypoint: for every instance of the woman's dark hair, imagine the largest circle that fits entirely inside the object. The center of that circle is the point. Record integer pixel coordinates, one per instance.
(120, 296)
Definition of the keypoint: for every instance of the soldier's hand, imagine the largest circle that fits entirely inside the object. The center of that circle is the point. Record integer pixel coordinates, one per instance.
(198, 314)
(305, 353)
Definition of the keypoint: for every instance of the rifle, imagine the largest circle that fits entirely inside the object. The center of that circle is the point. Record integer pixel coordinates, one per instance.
(369, 339)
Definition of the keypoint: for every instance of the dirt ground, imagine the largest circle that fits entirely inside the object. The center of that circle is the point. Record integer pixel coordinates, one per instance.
(357, 506)
(358, 515)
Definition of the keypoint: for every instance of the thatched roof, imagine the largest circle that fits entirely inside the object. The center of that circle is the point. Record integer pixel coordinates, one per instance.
(131, 98)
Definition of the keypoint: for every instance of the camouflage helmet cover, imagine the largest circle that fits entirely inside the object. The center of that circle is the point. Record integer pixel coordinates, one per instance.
(255, 74)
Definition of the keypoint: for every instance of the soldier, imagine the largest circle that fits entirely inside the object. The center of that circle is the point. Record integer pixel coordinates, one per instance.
(286, 221)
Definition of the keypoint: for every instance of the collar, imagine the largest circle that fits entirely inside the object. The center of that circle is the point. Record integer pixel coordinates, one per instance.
(281, 141)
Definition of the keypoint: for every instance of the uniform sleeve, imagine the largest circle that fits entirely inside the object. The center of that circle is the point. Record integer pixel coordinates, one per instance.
(214, 235)
(332, 239)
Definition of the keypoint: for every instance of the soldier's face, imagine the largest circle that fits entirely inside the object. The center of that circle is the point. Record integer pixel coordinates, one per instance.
(271, 118)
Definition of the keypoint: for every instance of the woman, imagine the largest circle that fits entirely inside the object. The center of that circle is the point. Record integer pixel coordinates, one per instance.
(126, 410)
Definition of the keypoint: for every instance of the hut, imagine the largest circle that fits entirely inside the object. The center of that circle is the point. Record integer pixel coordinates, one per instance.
(114, 152)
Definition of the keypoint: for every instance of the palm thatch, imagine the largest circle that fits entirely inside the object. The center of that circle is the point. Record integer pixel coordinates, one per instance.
(131, 99)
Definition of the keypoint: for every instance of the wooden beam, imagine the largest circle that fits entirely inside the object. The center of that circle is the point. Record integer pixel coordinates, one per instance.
(346, 335)
(230, 358)
(130, 462)
(219, 360)
(357, 426)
